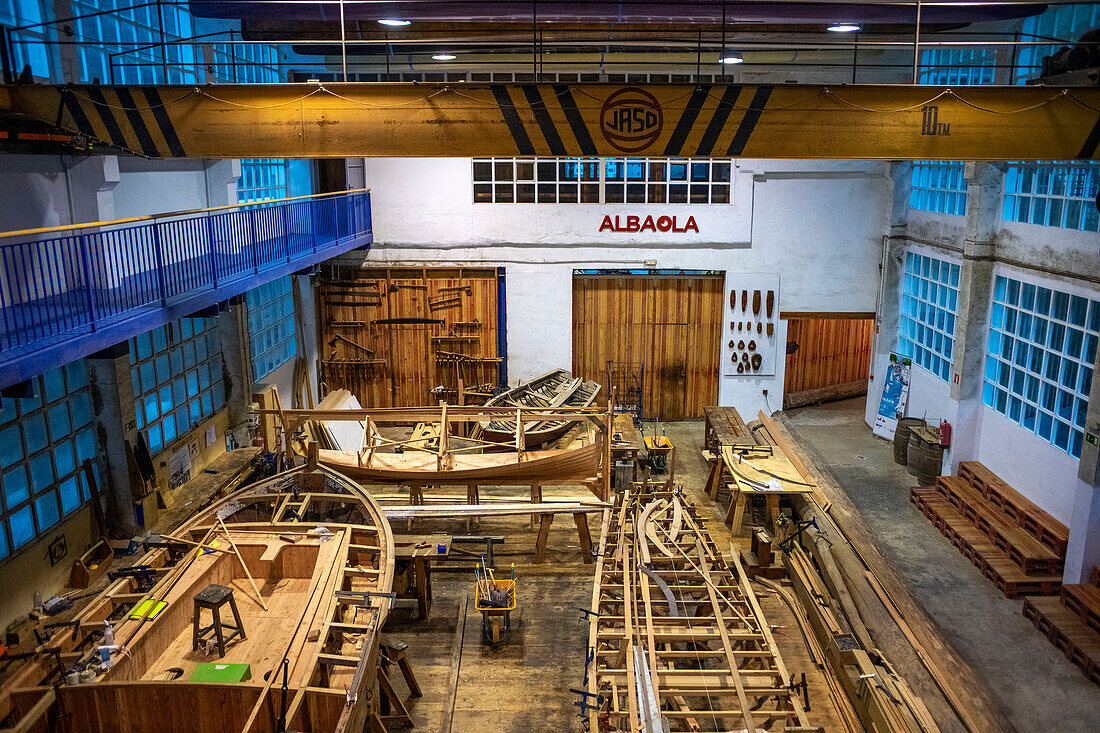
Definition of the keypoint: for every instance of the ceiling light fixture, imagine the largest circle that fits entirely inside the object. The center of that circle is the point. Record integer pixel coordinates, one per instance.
(731, 58)
(444, 57)
(844, 28)
(394, 22)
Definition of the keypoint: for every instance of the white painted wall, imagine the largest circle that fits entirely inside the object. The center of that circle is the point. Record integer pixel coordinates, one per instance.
(819, 224)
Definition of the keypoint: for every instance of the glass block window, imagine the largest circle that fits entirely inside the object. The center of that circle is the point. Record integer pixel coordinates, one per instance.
(938, 185)
(246, 63)
(44, 439)
(29, 46)
(177, 376)
(929, 305)
(271, 326)
(1053, 194)
(602, 181)
(957, 65)
(1038, 369)
(261, 179)
(133, 31)
(1064, 22)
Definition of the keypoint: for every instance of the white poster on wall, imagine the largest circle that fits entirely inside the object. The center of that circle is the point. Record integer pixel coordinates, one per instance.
(895, 396)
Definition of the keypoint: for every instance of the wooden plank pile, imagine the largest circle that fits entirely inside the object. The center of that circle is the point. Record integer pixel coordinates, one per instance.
(1014, 543)
(677, 640)
(1072, 623)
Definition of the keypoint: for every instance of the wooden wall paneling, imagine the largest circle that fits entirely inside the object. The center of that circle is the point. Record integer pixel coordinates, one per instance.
(671, 323)
(409, 370)
(833, 357)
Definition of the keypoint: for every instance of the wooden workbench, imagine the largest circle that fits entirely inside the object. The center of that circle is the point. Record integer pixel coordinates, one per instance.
(419, 551)
(760, 471)
(724, 426)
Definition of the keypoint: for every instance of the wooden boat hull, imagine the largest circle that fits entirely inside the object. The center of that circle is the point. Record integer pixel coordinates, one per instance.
(290, 614)
(574, 464)
(574, 394)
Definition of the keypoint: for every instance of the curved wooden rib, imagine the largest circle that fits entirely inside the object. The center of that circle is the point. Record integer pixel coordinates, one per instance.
(330, 641)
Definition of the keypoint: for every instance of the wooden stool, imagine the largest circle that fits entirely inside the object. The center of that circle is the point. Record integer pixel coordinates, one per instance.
(214, 597)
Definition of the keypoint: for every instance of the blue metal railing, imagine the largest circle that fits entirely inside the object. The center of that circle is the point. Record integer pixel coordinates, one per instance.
(91, 287)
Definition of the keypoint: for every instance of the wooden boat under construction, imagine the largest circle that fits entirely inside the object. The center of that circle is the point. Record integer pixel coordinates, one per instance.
(308, 557)
(557, 388)
(545, 466)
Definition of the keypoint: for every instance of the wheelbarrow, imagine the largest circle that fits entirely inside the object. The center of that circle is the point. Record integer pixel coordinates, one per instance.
(496, 599)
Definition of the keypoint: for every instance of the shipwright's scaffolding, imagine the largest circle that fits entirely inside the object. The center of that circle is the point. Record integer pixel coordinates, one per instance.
(677, 640)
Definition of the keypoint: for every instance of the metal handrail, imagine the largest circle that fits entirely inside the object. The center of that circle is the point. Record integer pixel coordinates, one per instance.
(99, 283)
(170, 214)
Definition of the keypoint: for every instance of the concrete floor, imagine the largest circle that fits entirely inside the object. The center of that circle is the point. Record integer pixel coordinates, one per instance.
(1031, 681)
(525, 685)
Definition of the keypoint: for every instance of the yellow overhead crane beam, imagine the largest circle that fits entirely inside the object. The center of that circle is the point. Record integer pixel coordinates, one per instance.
(468, 120)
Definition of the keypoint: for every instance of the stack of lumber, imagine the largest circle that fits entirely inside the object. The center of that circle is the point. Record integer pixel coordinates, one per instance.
(1015, 544)
(1072, 623)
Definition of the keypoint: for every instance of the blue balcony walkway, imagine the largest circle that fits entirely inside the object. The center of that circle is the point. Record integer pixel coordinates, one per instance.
(65, 297)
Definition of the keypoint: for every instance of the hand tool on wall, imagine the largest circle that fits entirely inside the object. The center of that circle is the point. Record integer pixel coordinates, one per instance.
(733, 300)
(759, 327)
(731, 343)
(756, 302)
(458, 288)
(740, 368)
(739, 325)
(745, 357)
(394, 287)
(757, 360)
(752, 346)
(744, 300)
(408, 321)
(770, 302)
(741, 345)
(435, 305)
(771, 329)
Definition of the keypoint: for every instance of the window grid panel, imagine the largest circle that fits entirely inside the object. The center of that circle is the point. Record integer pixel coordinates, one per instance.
(128, 29)
(1039, 360)
(1054, 194)
(958, 65)
(938, 186)
(1065, 22)
(176, 372)
(602, 180)
(929, 305)
(262, 179)
(44, 441)
(271, 326)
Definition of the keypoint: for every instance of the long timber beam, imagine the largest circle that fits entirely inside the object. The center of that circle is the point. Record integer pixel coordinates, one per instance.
(468, 120)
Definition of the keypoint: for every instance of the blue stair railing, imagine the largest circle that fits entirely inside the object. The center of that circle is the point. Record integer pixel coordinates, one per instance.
(66, 292)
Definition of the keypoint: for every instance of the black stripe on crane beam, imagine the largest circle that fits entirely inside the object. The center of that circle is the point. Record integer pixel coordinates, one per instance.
(576, 122)
(687, 120)
(542, 117)
(748, 122)
(718, 119)
(511, 118)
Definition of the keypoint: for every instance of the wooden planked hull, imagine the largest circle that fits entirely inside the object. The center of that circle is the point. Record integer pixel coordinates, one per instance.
(284, 571)
(553, 389)
(574, 464)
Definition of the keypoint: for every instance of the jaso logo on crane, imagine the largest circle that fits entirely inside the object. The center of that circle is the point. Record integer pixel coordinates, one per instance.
(631, 120)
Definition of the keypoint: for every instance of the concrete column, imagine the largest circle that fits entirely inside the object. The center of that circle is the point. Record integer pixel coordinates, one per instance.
(113, 404)
(221, 181)
(887, 316)
(236, 365)
(983, 219)
(1084, 530)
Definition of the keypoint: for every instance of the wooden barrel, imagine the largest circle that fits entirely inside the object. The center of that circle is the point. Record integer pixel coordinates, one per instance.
(925, 457)
(901, 438)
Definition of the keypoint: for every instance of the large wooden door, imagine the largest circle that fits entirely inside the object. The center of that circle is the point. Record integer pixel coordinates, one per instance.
(391, 364)
(671, 323)
(832, 358)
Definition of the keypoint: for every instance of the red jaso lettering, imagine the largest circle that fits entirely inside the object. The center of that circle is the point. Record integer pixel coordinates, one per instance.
(636, 224)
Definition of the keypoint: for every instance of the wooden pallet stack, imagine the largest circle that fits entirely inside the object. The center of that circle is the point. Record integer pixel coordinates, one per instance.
(1072, 623)
(1014, 543)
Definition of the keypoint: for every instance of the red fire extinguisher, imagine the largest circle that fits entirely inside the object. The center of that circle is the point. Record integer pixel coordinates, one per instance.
(945, 434)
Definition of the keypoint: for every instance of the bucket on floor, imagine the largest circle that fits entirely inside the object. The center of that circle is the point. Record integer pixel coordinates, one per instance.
(925, 455)
(901, 438)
